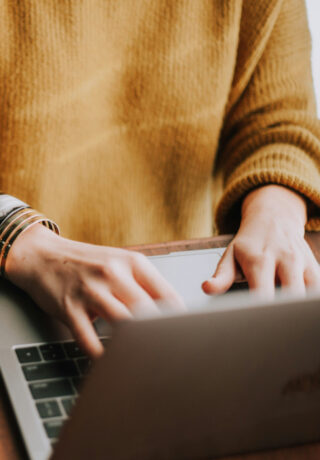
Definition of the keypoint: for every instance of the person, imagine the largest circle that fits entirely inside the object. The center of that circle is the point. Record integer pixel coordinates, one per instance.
(142, 121)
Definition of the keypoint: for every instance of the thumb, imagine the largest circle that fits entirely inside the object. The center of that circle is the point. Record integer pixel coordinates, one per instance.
(224, 275)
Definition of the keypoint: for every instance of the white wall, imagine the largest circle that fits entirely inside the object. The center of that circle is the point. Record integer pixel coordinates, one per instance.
(313, 8)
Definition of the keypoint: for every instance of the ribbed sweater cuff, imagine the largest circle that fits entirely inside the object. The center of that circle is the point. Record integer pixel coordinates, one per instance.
(281, 164)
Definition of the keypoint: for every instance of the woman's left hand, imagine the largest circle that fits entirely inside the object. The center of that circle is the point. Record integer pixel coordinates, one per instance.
(269, 247)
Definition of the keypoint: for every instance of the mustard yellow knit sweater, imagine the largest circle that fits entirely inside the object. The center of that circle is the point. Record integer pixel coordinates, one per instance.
(135, 121)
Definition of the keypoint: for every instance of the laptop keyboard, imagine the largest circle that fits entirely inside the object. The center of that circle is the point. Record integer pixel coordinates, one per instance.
(54, 373)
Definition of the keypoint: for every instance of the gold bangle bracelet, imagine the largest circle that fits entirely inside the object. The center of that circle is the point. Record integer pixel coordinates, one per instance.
(20, 216)
(15, 225)
(10, 234)
(6, 249)
(12, 220)
(11, 228)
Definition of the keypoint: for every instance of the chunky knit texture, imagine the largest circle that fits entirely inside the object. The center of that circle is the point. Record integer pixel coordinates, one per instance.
(135, 121)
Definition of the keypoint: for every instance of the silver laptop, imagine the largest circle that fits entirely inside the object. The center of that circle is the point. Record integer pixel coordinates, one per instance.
(44, 370)
(241, 376)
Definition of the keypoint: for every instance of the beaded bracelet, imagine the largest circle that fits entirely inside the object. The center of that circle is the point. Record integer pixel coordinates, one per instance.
(16, 223)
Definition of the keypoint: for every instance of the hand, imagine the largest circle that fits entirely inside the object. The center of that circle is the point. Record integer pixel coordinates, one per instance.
(269, 247)
(77, 282)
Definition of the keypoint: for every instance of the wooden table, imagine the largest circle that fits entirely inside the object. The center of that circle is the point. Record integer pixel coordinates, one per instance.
(11, 445)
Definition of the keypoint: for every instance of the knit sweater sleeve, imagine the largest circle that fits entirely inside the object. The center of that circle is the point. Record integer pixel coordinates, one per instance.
(271, 133)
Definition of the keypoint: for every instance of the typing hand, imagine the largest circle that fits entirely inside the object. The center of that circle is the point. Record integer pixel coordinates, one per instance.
(77, 282)
(269, 247)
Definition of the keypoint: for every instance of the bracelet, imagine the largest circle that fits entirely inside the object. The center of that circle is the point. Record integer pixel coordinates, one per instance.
(13, 220)
(10, 213)
(16, 223)
(10, 235)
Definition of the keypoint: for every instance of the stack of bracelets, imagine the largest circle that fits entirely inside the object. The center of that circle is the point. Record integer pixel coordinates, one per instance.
(15, 217)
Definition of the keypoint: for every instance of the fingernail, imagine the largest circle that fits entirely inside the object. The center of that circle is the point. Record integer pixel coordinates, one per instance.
(206, 285)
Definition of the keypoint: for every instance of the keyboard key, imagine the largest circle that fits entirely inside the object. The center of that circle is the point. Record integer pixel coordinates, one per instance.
(48, 409)
(84, 365)
(52, 352)
(68, 404)
(51, 389)
(28, 355)
(73, 350)
(53, 428)
(44, 371)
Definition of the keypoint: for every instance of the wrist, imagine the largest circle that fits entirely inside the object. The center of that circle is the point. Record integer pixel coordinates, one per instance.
(276, 200)
(28, 250)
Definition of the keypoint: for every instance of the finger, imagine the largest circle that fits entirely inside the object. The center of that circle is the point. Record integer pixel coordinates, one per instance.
(224, 275)
(85, 334)
(158, 288)
(312, 276)
(260, 274)
(134, 297)
(312, 270)
(291, 277)
(106, 305)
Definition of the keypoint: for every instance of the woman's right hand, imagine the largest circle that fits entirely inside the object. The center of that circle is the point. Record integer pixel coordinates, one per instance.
(76, 282)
